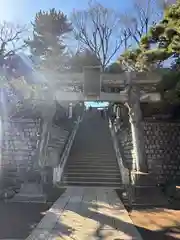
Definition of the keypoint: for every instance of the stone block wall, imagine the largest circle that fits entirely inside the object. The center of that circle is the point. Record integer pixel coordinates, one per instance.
(29, 151)
(19, 142)
(162, 145)
(30, 143)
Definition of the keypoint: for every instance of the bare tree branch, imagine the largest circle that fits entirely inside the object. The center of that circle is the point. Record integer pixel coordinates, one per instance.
(145, 13)
(98, 28)
(11, 38)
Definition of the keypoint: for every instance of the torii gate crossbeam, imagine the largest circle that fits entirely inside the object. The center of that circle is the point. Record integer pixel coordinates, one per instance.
(92, 80)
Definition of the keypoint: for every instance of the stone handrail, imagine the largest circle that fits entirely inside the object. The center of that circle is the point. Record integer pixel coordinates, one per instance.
(57, 174)
(124, 171)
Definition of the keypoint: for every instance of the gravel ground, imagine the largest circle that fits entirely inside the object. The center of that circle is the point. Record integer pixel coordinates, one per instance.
(18, 219)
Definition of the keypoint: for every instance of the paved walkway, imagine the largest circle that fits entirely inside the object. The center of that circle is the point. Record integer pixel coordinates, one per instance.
(84, 214)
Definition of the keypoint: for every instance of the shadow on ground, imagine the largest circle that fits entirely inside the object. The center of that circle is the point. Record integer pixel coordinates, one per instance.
(156, 222)
(160, 231)
(18, 219)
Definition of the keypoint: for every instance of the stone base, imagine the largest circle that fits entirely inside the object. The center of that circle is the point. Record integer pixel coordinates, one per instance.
(149, 196)
(143, 179)
(30, 192)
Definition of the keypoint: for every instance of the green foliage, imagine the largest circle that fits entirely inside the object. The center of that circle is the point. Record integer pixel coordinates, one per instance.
(169, 87)
(114, 68)
(131, 57)
(49, 28)
(144, 43)
(166, 34)
(165, 37)
(170, 84)
(154, 55)
(161, 43)
(82, 59)
(53, 22)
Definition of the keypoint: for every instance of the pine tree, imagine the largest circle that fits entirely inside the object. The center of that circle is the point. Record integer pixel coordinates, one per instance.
(82, 59)
(49, 29)
(166, 35)
(161, 42)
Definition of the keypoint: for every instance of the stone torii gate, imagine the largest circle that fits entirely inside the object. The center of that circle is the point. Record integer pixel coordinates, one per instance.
(126, 88)
(94, 85)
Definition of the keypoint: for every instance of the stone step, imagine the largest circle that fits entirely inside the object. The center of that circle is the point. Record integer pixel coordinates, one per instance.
(62, 186)
(93, 164)
(92, 161)
(148, 200)
(89, 174)
(93, 184)
(91, 170)
(88, 170)
(84, 156)
(138, 202)
(34, 198)
(144, 179)
(147, 190)
(149, 196)
(94, 155)
(29, 192)
(102, 151)
(91, 179)
(99, 153)
(99, 166)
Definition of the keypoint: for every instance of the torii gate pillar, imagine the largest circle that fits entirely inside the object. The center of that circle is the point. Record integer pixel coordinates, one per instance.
(92, 82)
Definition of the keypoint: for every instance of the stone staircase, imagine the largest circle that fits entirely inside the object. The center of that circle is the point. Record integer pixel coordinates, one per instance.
(92, 160)
(30, 189)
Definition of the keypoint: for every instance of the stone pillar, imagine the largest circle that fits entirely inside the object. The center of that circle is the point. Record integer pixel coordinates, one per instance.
(135, 118)
(70, 115)
(118, 112)
(48, 110)
(92, 82)
(114, 108)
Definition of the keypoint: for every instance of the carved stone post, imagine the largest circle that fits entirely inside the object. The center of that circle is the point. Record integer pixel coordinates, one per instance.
(135, 117)
(118, 112)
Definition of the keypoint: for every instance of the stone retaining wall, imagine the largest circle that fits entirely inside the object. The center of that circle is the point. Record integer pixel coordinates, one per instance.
(162, 147)
(162, 144)
(19, 142)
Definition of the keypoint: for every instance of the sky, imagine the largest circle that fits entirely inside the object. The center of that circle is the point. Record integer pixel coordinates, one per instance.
(24, 10)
